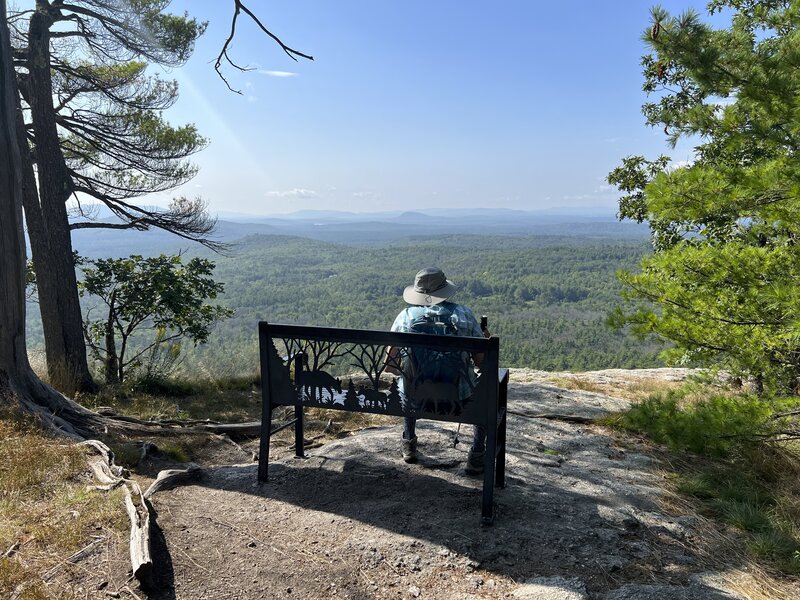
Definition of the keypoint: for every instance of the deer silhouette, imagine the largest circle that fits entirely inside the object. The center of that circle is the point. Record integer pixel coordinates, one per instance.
(436, 397)
(320, 380)
(374, 398)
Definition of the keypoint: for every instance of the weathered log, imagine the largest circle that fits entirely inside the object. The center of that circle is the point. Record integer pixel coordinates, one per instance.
(139, 514)
(111, 476)
(105, 471)
(172, 477)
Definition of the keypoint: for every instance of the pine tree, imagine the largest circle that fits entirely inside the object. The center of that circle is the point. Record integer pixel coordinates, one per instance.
(394, 401)
(351, 399)
(90, 123)
(724, 228)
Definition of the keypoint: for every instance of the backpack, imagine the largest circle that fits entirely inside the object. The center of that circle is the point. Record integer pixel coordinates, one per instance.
(426, 364)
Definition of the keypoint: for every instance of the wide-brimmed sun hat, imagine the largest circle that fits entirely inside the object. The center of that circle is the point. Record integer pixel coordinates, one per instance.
(430, 287)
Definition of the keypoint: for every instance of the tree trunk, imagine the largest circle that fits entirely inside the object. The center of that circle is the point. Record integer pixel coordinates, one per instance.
(49, 230)
(112, 363)
(19, 385)
(13, 354)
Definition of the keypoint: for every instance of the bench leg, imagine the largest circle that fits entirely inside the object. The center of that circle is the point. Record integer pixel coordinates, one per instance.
(489, 461)
(263, 448)
(298, 406)
(500, 476)
(487, 510)
(298, 431)
(500, 472)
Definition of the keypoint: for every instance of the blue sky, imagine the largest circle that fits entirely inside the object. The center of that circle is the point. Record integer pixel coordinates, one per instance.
(419, 104)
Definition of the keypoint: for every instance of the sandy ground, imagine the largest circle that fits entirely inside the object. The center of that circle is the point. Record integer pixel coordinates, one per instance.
(584, 515)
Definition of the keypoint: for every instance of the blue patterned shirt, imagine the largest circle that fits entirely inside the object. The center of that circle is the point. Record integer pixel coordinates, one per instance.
(466, 325)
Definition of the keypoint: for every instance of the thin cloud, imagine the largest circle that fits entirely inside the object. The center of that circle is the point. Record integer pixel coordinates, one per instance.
(295, 193)
(679, 164)
(277, 73)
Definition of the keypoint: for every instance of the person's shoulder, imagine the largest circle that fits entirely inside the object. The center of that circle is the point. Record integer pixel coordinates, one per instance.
(404, 318)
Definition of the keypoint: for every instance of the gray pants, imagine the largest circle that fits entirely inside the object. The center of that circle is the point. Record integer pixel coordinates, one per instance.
(478, 434)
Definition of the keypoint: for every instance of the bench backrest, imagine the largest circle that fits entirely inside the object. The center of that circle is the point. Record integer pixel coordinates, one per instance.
(338, 368)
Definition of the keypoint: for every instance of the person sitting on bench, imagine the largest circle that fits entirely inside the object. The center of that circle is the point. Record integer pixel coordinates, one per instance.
(431, 311)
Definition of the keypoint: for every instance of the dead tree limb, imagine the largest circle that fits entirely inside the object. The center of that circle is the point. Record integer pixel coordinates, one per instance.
(170, 478)
(556, 417)
(111, 476)
(223, 55)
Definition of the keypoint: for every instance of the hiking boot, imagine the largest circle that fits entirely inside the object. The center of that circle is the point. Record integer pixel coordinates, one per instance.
(474, 464)
(410, 450)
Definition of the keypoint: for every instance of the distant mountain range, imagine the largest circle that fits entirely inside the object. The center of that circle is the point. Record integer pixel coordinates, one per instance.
(557, 214)
(368, 228)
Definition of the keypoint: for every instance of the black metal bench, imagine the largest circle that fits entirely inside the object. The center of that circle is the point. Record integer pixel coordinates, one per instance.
(298, 367)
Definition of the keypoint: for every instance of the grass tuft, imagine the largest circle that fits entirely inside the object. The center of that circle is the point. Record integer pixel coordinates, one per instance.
(741, 480)
(175, 452)
(46, 510)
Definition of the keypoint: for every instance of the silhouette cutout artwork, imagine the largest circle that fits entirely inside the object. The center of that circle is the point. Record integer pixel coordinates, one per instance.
(349, 376)
(320, 381)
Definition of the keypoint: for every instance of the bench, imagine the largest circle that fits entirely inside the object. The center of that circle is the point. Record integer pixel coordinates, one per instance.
(304, 367)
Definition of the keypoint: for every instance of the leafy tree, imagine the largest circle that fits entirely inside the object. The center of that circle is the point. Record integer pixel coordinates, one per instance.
(725, 227)
(161, 294)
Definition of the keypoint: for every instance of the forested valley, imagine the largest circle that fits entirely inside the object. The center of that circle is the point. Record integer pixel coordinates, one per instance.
(547, 297)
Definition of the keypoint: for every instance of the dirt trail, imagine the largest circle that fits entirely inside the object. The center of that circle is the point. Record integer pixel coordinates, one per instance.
(580, 518)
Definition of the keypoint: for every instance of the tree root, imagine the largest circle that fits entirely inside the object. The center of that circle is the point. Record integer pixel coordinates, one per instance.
(140, 513)
(556, 417)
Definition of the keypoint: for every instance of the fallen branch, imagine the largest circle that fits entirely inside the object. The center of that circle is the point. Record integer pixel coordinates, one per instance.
(170, 426)
(778, 436)
(791, 413)
(172, 477)
(139, 514)
(112, 476)
(77, 557)
(252, 428)
(556, 417)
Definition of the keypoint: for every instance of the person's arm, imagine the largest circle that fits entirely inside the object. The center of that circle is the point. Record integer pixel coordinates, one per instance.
(392, 362)
(477, 357)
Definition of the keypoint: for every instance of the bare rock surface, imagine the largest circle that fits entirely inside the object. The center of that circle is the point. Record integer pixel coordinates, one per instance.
(580, 518)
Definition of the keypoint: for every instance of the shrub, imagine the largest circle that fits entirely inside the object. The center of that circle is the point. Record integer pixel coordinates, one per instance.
(711, 427)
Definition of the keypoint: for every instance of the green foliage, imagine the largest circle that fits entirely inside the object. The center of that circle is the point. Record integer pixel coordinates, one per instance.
(725, 226)
(169, 387)
(738, 478)
(175, 452)
(712, 427)
(161, 294)
(546, 298)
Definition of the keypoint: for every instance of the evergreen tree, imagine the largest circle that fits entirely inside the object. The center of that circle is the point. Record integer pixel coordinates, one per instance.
(90, 123)
(394, 401)
(351, 400)
(19, 385)
(725, 227)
